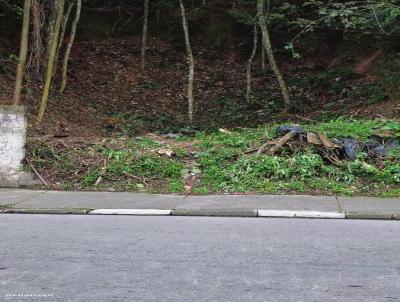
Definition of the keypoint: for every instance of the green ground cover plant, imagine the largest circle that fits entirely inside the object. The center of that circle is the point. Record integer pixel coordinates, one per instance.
(224, 161)
(228, 169)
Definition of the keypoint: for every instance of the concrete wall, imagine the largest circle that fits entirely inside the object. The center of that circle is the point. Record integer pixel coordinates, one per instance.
(13, 127)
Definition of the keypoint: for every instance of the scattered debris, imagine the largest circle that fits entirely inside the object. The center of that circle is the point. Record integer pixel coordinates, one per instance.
(387, 129)
(332, 150)
(190, 172)
(349, 147)
(165, 151)
(188, 189)
(328, 144)
(289, 128)
(225, 131)
(103, 172)
(280, 142)
(173, 135)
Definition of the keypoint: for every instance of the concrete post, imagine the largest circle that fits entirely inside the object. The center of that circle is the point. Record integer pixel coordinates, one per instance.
(13, 127)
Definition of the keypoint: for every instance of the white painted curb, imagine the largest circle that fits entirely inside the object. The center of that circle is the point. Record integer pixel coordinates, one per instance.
(261, 213)
(137, 212)
(301, 214)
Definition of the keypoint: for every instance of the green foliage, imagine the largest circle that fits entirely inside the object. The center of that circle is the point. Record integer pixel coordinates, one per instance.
(323, 185)
(128, 164)
(226, 166)
(391, 127)
(200, 191)
(90, 178)
(391, 173)
(390, 193)
(368, 16)
(176, 186)
(343, 127)
(253, 173)
(154, 166)
(227, 169)
(180, 152)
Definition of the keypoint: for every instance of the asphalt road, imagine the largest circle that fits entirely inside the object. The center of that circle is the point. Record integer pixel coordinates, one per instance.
(99, 258)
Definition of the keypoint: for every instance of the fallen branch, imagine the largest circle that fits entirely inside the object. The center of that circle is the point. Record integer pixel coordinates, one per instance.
(136, 177)
(263, 147)
(36, 172)
(98, 181)
(327, 142)
(331, 156)
(103, 172)
(280, 142)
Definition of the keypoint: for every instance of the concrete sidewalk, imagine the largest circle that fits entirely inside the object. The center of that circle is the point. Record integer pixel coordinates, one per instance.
(53, 202)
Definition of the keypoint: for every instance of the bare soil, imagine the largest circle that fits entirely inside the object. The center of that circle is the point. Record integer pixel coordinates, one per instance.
(105, 90)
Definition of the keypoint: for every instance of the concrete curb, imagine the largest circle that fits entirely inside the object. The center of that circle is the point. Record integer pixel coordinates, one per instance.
(370, 215)
(134, 212)
(46, 211)
(210, 213)
(215, 212)
(301, 214)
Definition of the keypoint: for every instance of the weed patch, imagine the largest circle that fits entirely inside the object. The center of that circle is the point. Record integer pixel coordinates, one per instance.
(227, 167)
(221, 162)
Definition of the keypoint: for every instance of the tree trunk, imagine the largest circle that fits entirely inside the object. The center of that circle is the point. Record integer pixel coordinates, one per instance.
(69, 45)
(50, 63)
(249, 63)
(144, 38)
(22, 53)
(263, 55)
(191, 63)
(62, 35)
(36, 46)
(271, 58)
(263, 63)
(50, 35)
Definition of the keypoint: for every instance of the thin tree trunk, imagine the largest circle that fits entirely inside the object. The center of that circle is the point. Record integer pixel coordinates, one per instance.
(69, 45)
(50, 35)
(271, 58)
(144, 38)
(62, 35)
(191, 63)
(263, 63)
(36, 53)
(263, 55)
(50, 63)
(249, 64)
(22, 53)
